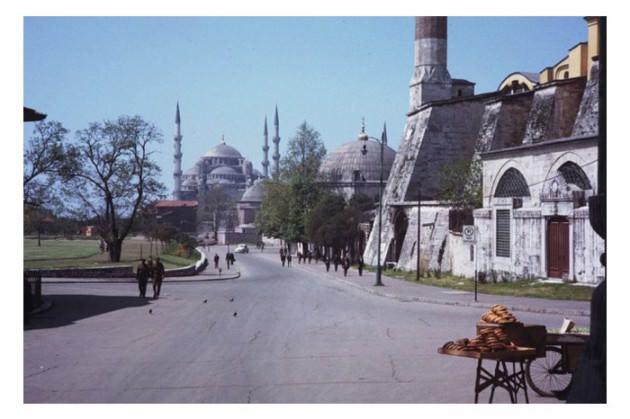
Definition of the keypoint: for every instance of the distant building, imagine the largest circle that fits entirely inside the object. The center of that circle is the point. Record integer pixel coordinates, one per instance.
(355, 167)
(222, 168)
(182, 214)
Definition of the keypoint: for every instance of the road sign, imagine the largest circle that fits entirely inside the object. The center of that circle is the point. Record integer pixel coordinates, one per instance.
(468, 234)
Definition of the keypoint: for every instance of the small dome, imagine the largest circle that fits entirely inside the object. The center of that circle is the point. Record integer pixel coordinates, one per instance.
(223, 150)
(254, 193)
(342, 164)
(224, 170)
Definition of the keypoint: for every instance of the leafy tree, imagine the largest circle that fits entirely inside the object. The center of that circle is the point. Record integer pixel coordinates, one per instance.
(460, 185)
(46, 156)
(304, 155)
(115, 176)
(274, 209)
(216, 208)
(288, 200)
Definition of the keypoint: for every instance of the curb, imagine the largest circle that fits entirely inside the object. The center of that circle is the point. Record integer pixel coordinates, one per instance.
(130, 281)
(567, 312)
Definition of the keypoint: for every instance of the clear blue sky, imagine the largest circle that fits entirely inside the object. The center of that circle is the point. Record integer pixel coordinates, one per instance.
(228, 73)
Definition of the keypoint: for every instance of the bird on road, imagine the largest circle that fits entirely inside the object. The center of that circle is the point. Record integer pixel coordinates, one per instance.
(235, 313)
(232, 300)
(205, 301)
(150, 311)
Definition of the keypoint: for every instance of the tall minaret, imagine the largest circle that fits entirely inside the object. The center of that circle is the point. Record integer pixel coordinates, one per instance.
(431, 80)
(265, 162)
(276, 143)
(177, 157)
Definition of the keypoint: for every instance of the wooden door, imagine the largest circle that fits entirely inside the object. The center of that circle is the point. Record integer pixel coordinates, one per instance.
(558, 247)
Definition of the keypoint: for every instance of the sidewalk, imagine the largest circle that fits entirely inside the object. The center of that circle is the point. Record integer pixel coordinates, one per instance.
(409, 292)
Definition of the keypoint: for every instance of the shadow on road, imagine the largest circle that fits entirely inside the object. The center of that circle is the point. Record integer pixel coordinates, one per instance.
(72, 307)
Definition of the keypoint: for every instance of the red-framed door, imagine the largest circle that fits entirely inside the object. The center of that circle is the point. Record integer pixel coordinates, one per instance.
(558, 247)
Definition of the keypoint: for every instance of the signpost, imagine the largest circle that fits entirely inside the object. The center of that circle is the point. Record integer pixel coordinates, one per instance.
(469, 235)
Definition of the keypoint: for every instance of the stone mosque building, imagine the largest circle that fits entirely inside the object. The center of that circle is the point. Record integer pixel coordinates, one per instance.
(354, 167)
(224, 167)
(536, 138)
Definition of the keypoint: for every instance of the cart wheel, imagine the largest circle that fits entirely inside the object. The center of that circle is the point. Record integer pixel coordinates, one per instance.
(547, 375)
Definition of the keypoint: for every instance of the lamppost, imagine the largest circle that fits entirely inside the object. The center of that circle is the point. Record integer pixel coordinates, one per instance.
(364, 151)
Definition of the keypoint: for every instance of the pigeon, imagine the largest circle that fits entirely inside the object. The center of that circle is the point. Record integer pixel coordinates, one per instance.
(232, 300)
(235, 313)
(205, 301)
(150, 311)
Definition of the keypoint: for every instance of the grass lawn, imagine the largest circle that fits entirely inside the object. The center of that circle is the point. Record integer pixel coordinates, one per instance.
(63, 253)
(523, 288)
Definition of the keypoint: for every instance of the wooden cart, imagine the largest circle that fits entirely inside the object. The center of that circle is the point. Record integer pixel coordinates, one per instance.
(512, 381)
(552, 369)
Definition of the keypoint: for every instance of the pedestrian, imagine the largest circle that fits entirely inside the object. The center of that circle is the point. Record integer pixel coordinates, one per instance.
(289, 260)
(336, 261)
(216, 261)
(309, 255)
(158, 276)
(232, 259)
(327, 262)
(346, 266)
(283, 258)
(227, 259)
(262, 246)
(360, 265)
(150, 267)
(142, 276)
(299, 256)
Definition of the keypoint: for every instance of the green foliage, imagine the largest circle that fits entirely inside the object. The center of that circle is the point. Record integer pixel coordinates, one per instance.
(334, 222)
(289, 200)
(305, 152)
(460, 184)
(47, 158)
(115, 176)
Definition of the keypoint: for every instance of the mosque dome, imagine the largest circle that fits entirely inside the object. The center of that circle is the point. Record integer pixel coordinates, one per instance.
(223, 150)
(350, 163)
(224, 170)
(254, 193)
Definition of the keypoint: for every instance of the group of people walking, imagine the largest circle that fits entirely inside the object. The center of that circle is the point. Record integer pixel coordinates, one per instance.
(150, 270)
(337, 260)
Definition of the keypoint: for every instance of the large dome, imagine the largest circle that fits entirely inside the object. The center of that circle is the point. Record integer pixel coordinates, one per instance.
(254, 193)
(223, 150)
(349, 164)
(224, 170)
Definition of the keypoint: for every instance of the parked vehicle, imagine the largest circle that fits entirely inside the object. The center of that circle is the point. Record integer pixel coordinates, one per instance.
(241, 248)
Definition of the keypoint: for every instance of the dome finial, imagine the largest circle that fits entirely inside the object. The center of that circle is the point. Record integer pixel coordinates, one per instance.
(362, 135)
(222, 138)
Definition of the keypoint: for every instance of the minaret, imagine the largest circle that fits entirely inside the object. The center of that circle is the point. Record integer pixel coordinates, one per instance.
(265, 162)
(431, 80)
(177, 157)
(276, 143)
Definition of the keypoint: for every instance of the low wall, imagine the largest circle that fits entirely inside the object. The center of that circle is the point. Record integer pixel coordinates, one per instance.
(117, 271)
(103, 272)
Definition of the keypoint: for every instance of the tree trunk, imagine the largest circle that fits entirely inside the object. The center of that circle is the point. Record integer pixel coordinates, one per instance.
(39, 237)
(115, 250)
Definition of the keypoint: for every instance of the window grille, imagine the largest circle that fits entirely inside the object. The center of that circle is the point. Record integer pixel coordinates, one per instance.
(503, 233)
(512, 184)
(573, 174)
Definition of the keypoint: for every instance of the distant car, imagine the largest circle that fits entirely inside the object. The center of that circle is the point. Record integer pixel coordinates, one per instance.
(241, 248)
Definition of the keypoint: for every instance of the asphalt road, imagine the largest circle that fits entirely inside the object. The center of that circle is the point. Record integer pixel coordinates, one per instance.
(275, 335)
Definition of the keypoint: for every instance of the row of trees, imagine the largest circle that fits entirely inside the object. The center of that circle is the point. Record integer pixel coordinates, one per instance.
(298, 209)
(106, 174)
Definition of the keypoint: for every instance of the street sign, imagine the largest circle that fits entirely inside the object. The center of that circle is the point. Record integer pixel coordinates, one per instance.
(468, 234)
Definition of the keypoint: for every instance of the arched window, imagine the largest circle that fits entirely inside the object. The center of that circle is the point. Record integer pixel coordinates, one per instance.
(511, 184)
(573, 174)
(566, 74)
